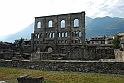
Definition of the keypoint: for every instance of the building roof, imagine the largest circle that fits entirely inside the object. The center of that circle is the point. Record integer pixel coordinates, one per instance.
(121, 34)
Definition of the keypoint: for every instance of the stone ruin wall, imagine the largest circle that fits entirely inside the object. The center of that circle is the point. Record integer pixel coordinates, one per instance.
(60, 39)
(66, 41)
(9, 50)
(76, 54)
(119, 55)
(68, 65)
(6, 51)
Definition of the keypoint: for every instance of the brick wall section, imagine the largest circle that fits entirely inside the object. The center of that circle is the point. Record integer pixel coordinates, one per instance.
(71, 66)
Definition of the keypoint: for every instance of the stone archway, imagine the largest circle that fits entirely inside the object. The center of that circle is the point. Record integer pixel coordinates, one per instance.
(49, 49)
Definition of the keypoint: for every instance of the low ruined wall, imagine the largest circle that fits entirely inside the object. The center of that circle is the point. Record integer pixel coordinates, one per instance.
(76, 54)
(119, 55)
(71, 66)
(90, 54)
(6, 55)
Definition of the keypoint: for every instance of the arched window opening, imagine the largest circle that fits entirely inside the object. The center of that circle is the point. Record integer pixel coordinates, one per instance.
(50, 23)
(80, 34)
(51, 35)
(59, 35)
(73, 34)
(77, 34)
(76, 23)
(63, 24)
(63, 34)
(38, 35)
(35, 35)
(66, 34)
(39, 25)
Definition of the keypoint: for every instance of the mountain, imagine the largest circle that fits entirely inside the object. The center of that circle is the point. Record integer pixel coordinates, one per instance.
(99, 26)
(24, 33)
(87, 20)
(94, 27)
(3, 37)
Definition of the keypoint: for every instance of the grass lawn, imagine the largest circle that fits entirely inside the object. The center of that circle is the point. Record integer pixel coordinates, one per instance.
(10, 75)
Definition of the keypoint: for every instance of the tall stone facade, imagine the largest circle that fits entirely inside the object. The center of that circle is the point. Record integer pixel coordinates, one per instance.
(58, 33)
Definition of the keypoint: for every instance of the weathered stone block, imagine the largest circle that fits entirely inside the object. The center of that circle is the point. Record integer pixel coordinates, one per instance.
(27, 79)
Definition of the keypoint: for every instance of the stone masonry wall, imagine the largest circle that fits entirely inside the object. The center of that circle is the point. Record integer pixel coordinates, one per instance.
(76, 54)
(49, 32)
(119, 55)
(70, 66)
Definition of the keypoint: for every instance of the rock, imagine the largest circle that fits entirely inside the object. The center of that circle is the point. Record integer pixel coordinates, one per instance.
(28, 79)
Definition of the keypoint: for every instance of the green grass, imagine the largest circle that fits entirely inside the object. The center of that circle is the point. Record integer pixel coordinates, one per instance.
(10, 75)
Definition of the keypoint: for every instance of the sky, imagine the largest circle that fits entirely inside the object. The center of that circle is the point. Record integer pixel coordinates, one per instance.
(18, 14)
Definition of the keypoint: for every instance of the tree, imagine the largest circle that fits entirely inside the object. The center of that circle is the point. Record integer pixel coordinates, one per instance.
(116, 42)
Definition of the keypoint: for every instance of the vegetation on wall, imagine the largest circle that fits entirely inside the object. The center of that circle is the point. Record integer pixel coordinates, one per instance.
(82, 47)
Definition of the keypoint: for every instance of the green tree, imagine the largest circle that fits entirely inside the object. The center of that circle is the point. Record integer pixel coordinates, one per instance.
(116, 42)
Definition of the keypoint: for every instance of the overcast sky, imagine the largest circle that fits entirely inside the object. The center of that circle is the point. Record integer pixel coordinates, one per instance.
(18, 14)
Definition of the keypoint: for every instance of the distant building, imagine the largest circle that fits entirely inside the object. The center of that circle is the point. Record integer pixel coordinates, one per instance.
(121, 38)
(101, 41)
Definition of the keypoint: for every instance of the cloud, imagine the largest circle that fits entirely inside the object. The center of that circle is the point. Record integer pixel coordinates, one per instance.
(18, 14)
(107, 8)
